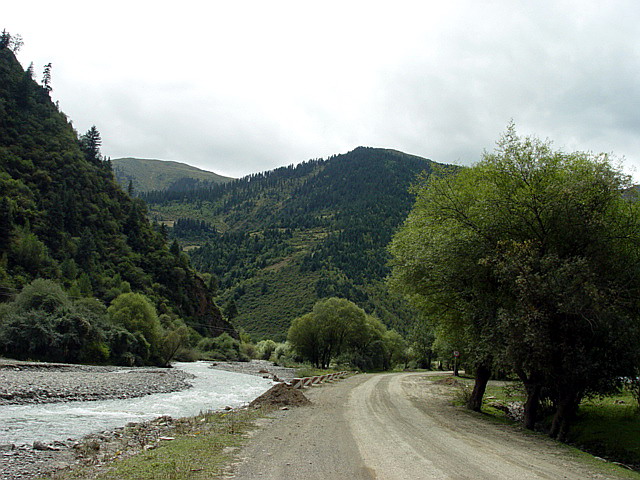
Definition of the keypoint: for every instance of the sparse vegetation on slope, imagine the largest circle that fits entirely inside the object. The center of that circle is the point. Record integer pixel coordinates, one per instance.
(146, 175)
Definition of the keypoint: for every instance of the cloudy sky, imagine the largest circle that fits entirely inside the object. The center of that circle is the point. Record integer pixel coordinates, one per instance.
(238, 87)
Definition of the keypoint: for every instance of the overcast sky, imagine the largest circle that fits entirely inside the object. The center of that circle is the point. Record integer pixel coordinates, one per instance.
(238, 87)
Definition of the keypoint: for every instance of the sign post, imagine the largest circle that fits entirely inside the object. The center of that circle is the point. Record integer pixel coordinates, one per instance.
(456, 354)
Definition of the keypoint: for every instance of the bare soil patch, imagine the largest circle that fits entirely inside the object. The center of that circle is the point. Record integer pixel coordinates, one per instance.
(281, 395)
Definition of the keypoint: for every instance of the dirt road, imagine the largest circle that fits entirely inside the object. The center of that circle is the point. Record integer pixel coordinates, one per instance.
(397, 426)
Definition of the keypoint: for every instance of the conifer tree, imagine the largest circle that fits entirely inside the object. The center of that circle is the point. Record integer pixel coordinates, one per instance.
(6, 223)
(90, 143)
(46, 77)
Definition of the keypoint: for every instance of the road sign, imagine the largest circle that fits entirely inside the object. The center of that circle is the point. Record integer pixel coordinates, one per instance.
(456, 354)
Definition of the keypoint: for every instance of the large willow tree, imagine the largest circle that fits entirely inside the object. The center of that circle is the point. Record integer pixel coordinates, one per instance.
(530, 261)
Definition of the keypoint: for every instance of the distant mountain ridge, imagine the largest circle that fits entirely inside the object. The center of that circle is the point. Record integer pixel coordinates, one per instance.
(278, 241)
(149, 174)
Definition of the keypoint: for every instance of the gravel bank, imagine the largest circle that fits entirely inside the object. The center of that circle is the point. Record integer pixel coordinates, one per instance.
(26, 382)
(44, 460)
(35, 382)
(262, 368)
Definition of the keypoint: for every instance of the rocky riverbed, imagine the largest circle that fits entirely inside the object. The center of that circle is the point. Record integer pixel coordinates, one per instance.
(34, 382)
(44, 460)
(23, 383)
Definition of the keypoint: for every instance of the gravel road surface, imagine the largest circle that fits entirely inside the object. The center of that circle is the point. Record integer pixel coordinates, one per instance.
(398, 426)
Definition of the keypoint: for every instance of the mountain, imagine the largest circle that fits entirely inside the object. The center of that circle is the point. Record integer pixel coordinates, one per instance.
(276, 242)
(63, 216)
(146, 175)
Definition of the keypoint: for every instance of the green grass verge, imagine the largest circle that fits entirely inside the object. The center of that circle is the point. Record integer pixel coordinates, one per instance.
(607, 427)
(202, 447)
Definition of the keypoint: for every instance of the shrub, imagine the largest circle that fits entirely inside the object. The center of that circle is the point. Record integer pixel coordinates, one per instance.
(266, 349)
(136, 314)
(249, 350)
(41, 294)
(222, 347)
(30, 335)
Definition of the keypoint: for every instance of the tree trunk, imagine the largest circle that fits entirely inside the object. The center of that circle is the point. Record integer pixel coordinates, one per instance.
(483, 373)
(531, 405)
(533, 387)
(565, 413)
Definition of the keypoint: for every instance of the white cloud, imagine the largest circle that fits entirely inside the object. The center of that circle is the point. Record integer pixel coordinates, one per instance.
(239, 87)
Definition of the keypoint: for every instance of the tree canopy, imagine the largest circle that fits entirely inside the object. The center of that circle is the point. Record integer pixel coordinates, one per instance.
(337, 329)
(529, 261)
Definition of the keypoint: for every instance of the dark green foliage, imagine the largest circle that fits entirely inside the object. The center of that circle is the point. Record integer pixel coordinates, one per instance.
(90, 144)
(11, 42)
(6, 224)
(46, 77)
(63, 216)
(137, 315)
(338, 329)
(190, 229)
(530, 261)
(42, 295)
(222, 347)
(44, 324)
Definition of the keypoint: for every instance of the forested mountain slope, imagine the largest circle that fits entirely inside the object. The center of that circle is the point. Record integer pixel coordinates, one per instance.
(278, 241)
(147, 175)
(63, 216)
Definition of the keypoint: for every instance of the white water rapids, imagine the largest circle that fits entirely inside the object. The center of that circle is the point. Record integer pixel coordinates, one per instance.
(212, 390)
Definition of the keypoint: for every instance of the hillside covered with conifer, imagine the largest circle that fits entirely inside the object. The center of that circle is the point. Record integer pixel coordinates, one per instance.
(63, 217)
(276, 242)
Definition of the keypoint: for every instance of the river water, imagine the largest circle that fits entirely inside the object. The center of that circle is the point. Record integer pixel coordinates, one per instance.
(212, 390)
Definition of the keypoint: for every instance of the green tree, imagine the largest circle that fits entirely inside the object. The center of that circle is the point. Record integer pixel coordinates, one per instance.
(230, 310)
(530, 260)
(266, 348)
(46, 77)
(335, 325)
(222, 347)
(137, 314)
(6, 223)
(90, 144)
(43, 295)
(43, 323)
(30, 253)
(305, 337)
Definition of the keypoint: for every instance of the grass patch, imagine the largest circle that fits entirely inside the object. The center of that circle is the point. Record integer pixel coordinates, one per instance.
(607, 427)
(201, 448)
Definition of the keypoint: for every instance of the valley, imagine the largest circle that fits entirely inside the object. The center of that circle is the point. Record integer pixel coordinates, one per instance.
(278, 241)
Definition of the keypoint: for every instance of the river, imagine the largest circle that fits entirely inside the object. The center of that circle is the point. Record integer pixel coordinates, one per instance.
(212, 390)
